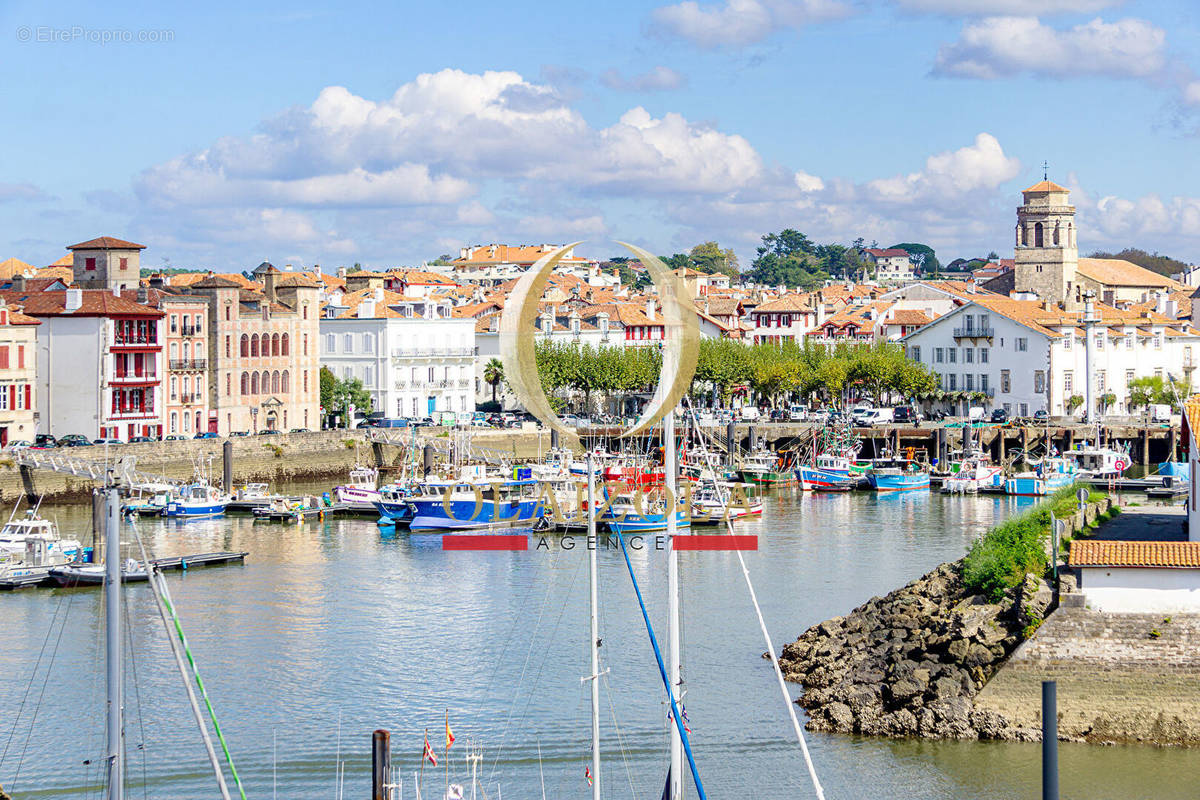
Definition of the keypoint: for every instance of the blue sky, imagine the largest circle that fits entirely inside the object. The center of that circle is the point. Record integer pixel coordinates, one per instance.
(350, 133)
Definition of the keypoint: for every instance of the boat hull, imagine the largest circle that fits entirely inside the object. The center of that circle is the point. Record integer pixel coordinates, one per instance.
(644, 523)
(1036, 486)
(823, 478)
(186, 509)
(771, 478)
(898, 483)
(431, 514)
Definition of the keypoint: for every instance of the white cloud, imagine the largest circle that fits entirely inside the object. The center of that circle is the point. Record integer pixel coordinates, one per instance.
(658, 79)
(1191, 93)
(736, 23)
(20, 191)
(949, 176)
(1001, 46)
(1006, 7)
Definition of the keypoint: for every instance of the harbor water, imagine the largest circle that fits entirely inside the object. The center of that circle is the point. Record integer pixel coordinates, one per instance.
(333, 628)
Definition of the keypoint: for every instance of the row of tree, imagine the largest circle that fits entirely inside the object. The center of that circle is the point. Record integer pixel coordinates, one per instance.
(773, 375)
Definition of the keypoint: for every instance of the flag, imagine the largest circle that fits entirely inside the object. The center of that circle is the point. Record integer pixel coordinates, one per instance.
(449, 734)
(587, 773)
(429, 755)
(683, 713)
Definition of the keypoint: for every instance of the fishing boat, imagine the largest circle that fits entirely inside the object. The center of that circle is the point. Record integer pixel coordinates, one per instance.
(17, 533)
(1052, 474)
(477, 504)
(148, 499)
(974, 473)
(1098, 462)
(197, 499)
(392, 504)
(901, 478)
(93, 574)
(829, 471)
(765, 469)
(630, 512)
(43, 551)
(714, 504)
(362, 488)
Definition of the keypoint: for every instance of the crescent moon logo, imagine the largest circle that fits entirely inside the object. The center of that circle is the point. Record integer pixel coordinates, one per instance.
(680, 347)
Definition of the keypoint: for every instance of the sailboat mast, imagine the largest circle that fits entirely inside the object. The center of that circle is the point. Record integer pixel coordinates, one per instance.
(112, 643)
(594, 645)
(670, 468)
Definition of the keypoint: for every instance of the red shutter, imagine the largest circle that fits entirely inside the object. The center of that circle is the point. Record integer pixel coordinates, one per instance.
(4, 357)
(20, 356)
(28, 396)
(12, 396)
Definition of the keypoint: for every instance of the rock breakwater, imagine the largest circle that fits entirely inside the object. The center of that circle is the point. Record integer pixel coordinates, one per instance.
(910, 663)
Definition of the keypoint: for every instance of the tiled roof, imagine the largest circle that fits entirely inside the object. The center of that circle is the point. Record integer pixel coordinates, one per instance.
(787, 302)
(297, 279)
(213, 282)
(1046, 186)
(508, 254)
(907, 317)
(96, 303)
(65, 274)
(106, 243)
(1118, 272)
(1191, 409)
(15, 317)
(890, 252)
(1102, 553)
(420, 276)
(13, 266)
(193, 278)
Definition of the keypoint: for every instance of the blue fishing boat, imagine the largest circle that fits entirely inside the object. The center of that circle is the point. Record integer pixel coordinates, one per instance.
(198, 499)
(898, 479)
(1051, 475)
(631, 513)
(467, 506)
(392, 504)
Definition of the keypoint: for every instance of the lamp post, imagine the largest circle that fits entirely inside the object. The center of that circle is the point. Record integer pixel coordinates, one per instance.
(1089, 324)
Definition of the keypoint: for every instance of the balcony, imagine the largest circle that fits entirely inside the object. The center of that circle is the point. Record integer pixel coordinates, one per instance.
(134, 377)
(974, 333)
(188, 330)
(133, 413)
(120, 340)
(433, 352)
(188, 363)
(189, 399)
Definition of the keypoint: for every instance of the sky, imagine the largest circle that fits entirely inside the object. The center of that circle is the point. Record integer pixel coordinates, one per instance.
(223, 134)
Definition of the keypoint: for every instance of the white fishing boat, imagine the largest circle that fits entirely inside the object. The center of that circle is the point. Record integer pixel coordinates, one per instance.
(148, 498)
(1098, 462)
(362, 488)
(43, 552)
(93, 574)
(974, 473)
(16, 533)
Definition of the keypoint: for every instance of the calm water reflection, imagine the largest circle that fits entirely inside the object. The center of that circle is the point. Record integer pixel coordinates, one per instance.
(333, 624)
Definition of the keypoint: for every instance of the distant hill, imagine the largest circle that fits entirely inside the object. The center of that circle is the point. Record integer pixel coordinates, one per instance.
(1163, 265)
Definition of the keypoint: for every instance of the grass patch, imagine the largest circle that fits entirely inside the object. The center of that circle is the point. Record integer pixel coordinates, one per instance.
(1013, 549)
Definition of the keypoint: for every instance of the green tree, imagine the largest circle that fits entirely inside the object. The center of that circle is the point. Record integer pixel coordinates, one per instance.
(929, 261)
(493, 374)
(1155, 262)
(337, 395)
(710, 257)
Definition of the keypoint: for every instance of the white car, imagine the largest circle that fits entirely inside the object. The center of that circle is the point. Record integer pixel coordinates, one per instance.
(106, 441)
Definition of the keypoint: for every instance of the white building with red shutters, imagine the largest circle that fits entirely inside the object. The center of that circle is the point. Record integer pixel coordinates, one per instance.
(99, 363)
(18, 375)
(891, 264)
(788, 317)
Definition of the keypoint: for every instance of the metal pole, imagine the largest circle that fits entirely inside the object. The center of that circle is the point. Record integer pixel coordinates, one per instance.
(1049, 741)
(227, 467)
(381, 764)
(112, 644)
(673, 654)
(1089, 322)
(594, 587)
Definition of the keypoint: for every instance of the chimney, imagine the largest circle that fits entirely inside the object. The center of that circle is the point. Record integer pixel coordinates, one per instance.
(378, 294)
(116, 290)
(142, 295)
(269, 278)
(1046, 306)
(73, 300)
(366, 309)
(341, 273)
(18, 282)
(650, 309)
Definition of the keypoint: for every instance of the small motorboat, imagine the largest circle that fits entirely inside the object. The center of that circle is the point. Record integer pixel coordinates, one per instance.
(1052, 474)
(632, 512)
(765, 469)
(16, 533)
(195, 500)
(361, 490)
(734, 501)
(904, 478)
(93, 574)
(974, 473)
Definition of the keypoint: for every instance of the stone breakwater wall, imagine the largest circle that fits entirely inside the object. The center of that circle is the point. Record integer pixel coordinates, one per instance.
(275, 459)
(1122, 678)
(911, 663)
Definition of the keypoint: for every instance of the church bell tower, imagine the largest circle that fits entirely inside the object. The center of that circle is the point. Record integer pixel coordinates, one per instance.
(1046, 253)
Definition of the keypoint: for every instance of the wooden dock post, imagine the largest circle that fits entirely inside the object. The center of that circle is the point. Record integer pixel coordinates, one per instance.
(381, 765)
(1173, 444)
(1000, 447)
(1145, 454)
(227, 466)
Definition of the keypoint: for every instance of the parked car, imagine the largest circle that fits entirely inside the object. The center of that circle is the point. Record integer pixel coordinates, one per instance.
(906, 414)
(797, 414)
(299, 430)
(17, 445)
(999, 415)
(174, 437)
(75, 440)
(879, 416)
(1041, 415)
(211, 435)
(45, 440)
(142, 439)
(858, 414)
(937, 415)
(106, 440)
(820, 416)
(268, 432)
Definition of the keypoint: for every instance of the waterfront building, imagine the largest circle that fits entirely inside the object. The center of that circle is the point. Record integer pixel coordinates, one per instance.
(106, 263)
(413, 356)
(789, 317)
(187, 387)
(1027, 356)
(99, 363)
(262, 352)
(494, 264)
(18, 375)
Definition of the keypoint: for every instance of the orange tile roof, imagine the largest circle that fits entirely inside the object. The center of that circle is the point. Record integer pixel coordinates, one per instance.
(1104, 553)
(13, 266)
(96, 303)
(1118, 272)
(509, 254)
(787, 302)
(65, 274)
(903, 316)
(106, 243)
(65, 261)
(297, 279)
(1191, 409)
(1046, 186)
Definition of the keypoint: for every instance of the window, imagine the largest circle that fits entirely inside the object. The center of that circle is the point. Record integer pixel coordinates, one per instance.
(1068, 340)
(431, 374)
(124, 263)
(174, 421)
(348, 343)
(254, 347)
(228, 384)
(254, 383)
(306, 380)
(284, 383)
(914, 353)
(174, 351)
(1100, 337)
(1025, 406)
(3, 356)
(330, 343)
(1039, 381)
(1022, 344)
(969, 321)
(196, 323)
(983, 382)
(1100, 378)
(227, 319)
(244, 351)
(969, 381)
(951, 355)
(347, 372)
(1158, 340)
(1005, 381)
(983, 355)
(968, 356)
(953, 387)
(275, 382)
(937, 355)
(89, 263)
(368, 343)
(275, 344)
(187, 423)
(245, 386)
(984, 319)
(399, 407)
(369, 376)
(1068, 382)
(1128, 376)
(1128, 341)
(174, 386)
(174, 323)
(1158, 372)
(283, 344)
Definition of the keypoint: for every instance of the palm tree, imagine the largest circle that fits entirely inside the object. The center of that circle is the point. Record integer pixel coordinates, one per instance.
(493, 373)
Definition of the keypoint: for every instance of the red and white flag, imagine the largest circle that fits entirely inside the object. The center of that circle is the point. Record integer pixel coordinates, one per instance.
(429, 755)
